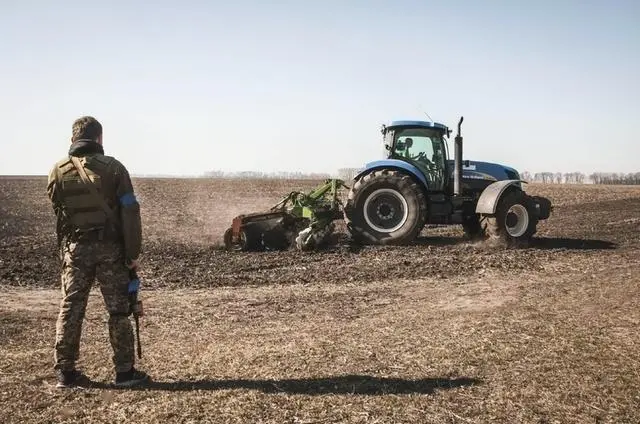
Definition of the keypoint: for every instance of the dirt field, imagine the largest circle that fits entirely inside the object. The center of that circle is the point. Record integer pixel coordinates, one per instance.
(444, 331)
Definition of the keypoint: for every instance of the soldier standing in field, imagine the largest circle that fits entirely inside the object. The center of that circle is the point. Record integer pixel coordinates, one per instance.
(100, 237)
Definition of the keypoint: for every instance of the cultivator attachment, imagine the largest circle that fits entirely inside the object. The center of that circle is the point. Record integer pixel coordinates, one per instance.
(303, 220)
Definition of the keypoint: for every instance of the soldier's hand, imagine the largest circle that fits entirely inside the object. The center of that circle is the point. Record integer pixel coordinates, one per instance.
(132, 264)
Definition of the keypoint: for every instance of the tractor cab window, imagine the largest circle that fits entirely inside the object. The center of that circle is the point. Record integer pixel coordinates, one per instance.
(424, 148)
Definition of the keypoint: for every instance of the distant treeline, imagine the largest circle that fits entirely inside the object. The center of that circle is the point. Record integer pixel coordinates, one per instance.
(348, 174)
(267, 175)
(345, 174)
(616, 178)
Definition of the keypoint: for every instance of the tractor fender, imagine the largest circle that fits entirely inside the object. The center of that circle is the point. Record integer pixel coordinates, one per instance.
(394, 164)
(491, 195)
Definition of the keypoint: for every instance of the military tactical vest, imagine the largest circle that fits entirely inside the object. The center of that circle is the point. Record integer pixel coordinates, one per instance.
(82, 209)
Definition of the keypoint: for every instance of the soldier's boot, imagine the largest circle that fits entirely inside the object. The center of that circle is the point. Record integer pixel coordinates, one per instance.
(131, 378)
(70, 379)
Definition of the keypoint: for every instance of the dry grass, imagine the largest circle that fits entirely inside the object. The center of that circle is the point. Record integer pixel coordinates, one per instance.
(545, 335)
(481, 349)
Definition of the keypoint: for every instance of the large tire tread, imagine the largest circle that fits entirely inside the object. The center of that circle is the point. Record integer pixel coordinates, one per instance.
(360, 231)
(494, 227)
(473, 228)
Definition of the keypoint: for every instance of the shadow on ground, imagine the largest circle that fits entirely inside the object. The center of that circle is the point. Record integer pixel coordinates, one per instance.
(570, 243)
(542, 243)
(349, 384)
(355, 247)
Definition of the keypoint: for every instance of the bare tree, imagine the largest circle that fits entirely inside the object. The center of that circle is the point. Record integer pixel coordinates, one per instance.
(292, 175)
(573, 178)
(558, 177)
(615, 178)
(347, 174)
(547, 177)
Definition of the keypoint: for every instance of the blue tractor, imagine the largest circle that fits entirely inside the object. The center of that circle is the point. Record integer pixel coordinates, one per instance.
(391, 200)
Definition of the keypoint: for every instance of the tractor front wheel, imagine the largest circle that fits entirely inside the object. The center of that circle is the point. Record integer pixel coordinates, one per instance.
(515, 220)
(385, 207)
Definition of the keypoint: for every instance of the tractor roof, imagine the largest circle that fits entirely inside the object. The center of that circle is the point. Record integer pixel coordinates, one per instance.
(423, 124)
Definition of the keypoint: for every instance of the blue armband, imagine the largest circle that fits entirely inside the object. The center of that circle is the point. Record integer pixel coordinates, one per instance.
(128, 199)
(134, 285)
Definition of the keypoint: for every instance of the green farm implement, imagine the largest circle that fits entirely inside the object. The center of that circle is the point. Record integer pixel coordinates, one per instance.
(301, 219)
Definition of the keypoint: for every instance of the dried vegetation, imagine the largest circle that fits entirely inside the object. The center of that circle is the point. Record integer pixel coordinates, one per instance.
(444, 331)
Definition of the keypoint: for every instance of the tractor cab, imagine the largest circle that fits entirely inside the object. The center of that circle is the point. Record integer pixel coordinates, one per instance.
(421, 144)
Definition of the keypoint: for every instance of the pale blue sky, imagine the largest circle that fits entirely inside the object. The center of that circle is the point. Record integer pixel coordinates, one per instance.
(186, 87)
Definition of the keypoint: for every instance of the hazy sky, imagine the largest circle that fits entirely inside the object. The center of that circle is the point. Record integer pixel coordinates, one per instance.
(184, 87)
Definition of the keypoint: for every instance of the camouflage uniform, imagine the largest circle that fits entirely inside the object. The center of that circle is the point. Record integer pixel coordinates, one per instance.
(94, 247)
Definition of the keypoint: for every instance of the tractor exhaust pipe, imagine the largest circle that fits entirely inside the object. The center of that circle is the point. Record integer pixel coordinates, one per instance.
(457, 172)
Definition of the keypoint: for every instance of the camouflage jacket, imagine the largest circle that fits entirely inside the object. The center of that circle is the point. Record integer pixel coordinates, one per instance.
(79, 212)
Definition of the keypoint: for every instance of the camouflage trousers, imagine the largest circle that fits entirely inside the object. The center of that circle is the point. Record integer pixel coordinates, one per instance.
(82, 264)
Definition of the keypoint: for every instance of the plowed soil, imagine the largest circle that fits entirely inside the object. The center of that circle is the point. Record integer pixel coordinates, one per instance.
(444, 330)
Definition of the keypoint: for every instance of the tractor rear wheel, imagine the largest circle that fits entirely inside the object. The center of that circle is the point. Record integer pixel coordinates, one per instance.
(515, 220)
(385, 207)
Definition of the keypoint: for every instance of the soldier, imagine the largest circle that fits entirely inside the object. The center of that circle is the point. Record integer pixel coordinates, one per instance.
(99, 236)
